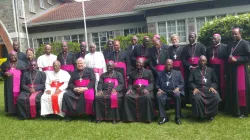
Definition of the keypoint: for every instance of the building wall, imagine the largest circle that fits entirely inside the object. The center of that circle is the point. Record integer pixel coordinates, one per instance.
(6, 15)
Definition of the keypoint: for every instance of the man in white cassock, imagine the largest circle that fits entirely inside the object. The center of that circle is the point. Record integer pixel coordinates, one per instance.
(96, 61)
(45, 62)
(55, 86)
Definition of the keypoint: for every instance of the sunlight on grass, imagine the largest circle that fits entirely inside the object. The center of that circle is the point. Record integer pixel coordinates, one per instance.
(223, 127)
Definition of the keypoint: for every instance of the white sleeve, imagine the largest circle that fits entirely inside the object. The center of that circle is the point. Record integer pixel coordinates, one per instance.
(47, 83)
(66, 77)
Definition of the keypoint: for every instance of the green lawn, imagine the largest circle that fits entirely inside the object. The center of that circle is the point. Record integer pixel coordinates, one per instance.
(223, 127)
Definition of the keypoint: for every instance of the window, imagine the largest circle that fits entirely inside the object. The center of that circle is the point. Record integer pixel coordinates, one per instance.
(132, 31)
(173, 27)
(42, 4)
(67, 38)
(50, 2)
(20, 8)
(199, 23)
(101, 38)
(31, 6)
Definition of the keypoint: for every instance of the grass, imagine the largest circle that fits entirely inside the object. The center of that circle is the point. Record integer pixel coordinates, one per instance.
(223, 127)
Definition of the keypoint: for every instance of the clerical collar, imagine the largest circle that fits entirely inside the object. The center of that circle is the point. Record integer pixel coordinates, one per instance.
(117, 51)
(193, 45)
(202, 67)
(111, 72)
(176, 46)
(215, 46)
(169, 72)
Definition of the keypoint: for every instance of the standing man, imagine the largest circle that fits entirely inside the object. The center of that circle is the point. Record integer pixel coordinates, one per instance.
(33, 84)
(138, 101)
(108, 50)
(204, 96)
(169, 84)
(96, 61)
(158, 57)
(55, 86)
(238, 96)
(190, 58)
(121, 59)
(66, 58)
(20, 55)
(217, 58)
(108, 102)
(175, 53)
(45, 62)
(79, 98)
(11, 71)
(82, 52)
(130, 50)
(142, 51)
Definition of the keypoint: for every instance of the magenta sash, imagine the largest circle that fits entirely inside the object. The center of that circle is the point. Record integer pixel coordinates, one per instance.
(88, 95)
(32, 100)
(98, 70)
(113, 97)
(141, 57)
(69, 68)
(194, 60)
(141, 82)
(49, 68)
(160, 67)
(123, 66)
(241, 83)
(16, 80)
(178, 64)
(217, 61)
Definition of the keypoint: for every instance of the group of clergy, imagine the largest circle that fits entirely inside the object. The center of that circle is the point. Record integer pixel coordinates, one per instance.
(129, 85)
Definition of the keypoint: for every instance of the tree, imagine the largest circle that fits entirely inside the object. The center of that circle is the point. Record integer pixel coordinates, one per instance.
(223, 26)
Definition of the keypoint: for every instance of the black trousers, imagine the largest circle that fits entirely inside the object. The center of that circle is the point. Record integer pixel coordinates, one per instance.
(162, 100)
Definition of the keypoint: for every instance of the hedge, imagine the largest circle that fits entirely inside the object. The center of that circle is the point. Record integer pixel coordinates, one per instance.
(223, 26)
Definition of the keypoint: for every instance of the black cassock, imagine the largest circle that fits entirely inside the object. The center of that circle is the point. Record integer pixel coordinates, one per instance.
(109, 106)
(106, 53)
(67, 60)
(140, 52)
(217, 59)
(81, 54)
(122, 63)
(175, 53)
(77, 104)
(204, 103)
(190, 57)
(237, 91)
(130, 49)
(139, 106)
(157, 59)
(11, 93)
(28, 105)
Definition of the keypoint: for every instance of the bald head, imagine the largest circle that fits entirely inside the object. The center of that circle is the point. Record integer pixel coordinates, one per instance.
(92, 47)
(140, 63)
(168, 65)
(80, 63)
(236, 34)
(16, 46)
(145, 41)
(47, 49)
(134, 40)
(110, 66)
(56, 66)
(83, 46)
(116, 45)
(203, 61)
(216, 39)
(64, 46)
(192, 37)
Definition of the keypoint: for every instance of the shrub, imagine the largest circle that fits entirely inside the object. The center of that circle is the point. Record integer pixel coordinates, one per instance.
(223, 26)
(57, 48)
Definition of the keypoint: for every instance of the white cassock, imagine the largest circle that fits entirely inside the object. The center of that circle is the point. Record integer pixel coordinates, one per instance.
(97, 62)
(45, 62)
(52, 103)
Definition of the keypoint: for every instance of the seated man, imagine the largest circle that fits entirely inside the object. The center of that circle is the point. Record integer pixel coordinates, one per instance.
(32, 87)
(55, 86)
(79, 99)
(204, 97)
(108, 100)
(138, 103)
(169, 84)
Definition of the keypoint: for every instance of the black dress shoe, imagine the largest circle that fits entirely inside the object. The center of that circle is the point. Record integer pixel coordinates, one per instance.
(177, 121)
(163, 120)
(241, 116)
(211, 118)
(68, 118)
(98, 121)
(114, 122)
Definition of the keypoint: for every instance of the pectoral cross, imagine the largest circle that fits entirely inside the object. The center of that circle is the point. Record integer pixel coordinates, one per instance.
(192, 58)
(205, 80)
(65, 62)
(140, 85)
(168, 83)
(49, 67)
(175, 56)
(32, 86)
(56, 83)
(80, 79)
(157, 61)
